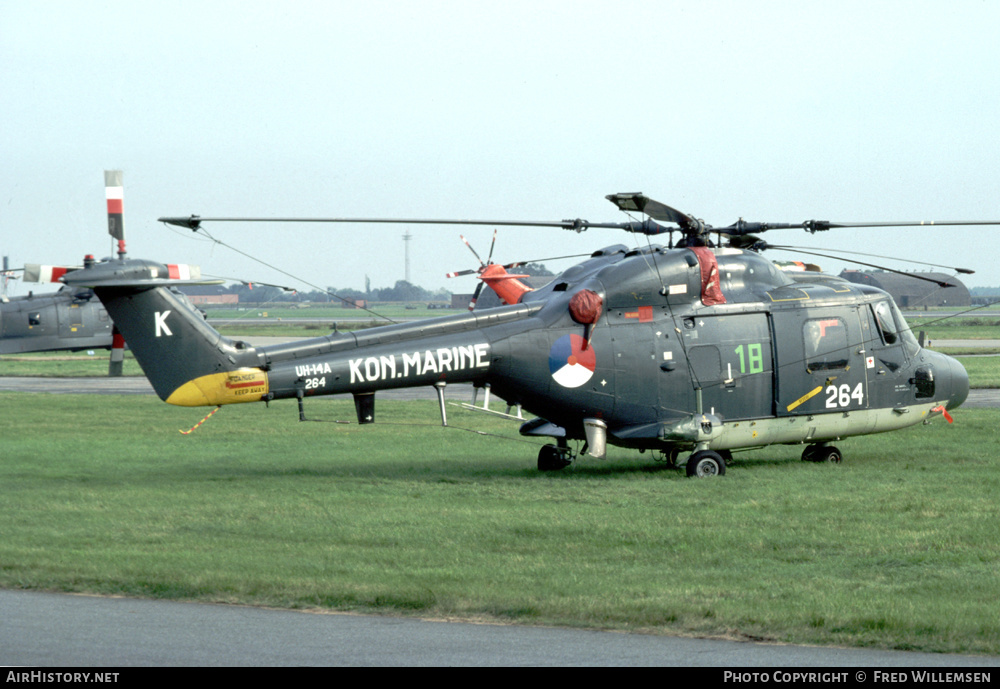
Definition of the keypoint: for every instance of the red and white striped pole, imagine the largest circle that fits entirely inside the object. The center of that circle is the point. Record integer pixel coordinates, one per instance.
(117, 353)
(115, 192)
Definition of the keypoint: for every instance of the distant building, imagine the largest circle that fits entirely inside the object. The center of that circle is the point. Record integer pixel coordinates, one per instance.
(200, 295)
(911, 293)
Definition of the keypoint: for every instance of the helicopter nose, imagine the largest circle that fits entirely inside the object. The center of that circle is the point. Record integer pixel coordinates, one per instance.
(957, 385)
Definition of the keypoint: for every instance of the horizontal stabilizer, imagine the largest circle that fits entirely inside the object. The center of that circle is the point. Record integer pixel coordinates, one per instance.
(137, 283)
(137, 274)
(34, 272)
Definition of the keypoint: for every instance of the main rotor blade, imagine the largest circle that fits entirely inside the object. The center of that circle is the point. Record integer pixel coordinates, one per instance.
(518, 264)
(475, 296)
(460, 273)
(193, 222)
(515, 264)
(489, 258)
(742, 227)
(628, 202)
(471, 249)
(654, 209)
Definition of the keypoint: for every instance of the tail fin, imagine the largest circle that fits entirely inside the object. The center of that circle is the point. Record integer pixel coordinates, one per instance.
(186, 360)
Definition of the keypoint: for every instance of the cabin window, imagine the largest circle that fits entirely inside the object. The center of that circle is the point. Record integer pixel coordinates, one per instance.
(826, 345)
(35, 318)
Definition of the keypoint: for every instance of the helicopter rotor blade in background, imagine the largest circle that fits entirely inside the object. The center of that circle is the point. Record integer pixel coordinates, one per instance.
(475, 295)
(474, 253)
(489, 258)
(963, 271)
(939, 283)
(460, 273)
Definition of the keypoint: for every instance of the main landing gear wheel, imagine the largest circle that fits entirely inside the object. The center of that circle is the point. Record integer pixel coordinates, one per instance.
(552, 458)
(706, 463)
(822, 454)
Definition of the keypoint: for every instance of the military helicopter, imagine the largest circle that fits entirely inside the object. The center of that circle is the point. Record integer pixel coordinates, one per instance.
(699, 347)
(71, 319)
(67, 320)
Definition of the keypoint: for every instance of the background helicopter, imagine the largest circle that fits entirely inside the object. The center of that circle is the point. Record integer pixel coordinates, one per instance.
(67, 320)
(693, 347)
(71, 319)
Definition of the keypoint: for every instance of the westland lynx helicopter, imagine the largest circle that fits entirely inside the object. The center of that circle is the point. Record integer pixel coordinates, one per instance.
(71, 319)
(694, 348)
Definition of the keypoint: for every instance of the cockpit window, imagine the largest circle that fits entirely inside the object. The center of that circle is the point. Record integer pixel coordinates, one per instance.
(885, 322)
(893, 328)
(909, 340)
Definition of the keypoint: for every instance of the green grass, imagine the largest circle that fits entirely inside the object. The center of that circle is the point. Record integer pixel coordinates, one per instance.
(64, 364)
(936, 328)
(984, 371)
(895, 548)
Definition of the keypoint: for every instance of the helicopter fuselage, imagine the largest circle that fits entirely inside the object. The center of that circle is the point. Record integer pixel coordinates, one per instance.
(657, 365)
(67, 320)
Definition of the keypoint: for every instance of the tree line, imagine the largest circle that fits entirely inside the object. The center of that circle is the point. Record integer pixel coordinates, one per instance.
(401, 291)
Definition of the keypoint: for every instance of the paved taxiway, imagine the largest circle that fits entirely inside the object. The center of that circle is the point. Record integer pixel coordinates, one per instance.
(49, 630)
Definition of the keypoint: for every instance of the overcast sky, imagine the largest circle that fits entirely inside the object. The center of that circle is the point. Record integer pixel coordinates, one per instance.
(525, 110)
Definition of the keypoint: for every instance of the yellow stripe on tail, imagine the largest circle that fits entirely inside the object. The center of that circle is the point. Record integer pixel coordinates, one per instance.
(227, 387)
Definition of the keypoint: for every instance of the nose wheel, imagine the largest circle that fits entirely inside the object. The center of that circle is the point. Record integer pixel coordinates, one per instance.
(705, 463)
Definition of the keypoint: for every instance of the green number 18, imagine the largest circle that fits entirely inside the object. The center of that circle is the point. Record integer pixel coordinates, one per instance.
(754, 356)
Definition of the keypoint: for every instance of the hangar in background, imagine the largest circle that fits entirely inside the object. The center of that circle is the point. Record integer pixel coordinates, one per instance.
(215, 295)
(911, 293)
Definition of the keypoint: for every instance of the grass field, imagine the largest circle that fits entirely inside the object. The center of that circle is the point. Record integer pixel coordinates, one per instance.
(895, 548)
(977, 328)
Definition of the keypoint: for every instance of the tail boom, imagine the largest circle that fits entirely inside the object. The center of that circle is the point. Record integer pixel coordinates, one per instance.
(190, 364)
